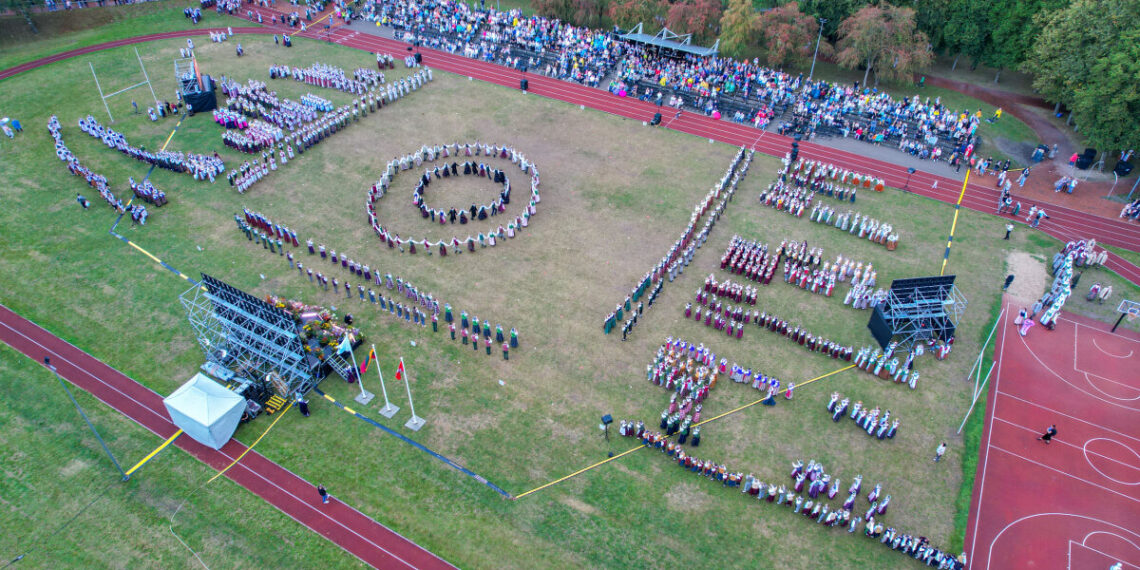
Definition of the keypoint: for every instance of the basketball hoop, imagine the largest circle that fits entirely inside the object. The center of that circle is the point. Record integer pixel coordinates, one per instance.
(1130, 309)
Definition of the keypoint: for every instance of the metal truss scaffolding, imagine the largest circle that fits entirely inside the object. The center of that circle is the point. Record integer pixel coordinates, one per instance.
(248, 335)
(919, 309)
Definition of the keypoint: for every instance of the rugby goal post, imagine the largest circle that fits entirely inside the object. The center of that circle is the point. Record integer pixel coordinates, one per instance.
(105, 96)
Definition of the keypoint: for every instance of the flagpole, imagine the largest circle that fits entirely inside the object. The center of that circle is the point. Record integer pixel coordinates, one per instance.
(365, 396)
(416, 422)
(389, 409)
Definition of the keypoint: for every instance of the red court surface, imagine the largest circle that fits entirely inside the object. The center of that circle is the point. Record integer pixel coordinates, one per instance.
(1074, 503)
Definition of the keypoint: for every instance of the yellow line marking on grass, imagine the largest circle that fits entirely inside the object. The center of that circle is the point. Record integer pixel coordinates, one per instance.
(148, 457)
(627, 452)
(258, 440)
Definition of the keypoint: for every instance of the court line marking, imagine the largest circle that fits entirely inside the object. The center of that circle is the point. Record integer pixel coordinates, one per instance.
(990, 554)
(1067, 474)
(1102, 553)
(1066, 381)
(999, 356)
(1058, 412)
(1082, 447)
(1085, 451)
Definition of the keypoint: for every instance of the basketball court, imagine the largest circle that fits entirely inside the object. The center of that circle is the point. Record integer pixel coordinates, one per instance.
(1074, 503)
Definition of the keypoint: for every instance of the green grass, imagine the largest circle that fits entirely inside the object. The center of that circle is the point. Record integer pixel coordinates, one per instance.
(615, 196)
(1129, 256)
(972, 439)
(64, 505)
(66, 30)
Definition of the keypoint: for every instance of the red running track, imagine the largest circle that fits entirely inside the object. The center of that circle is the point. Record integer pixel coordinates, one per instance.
(1064, 223)
(368, 540)
(1074, 503)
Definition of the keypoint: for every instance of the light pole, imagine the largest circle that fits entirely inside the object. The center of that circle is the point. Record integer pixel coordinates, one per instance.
(822, 21)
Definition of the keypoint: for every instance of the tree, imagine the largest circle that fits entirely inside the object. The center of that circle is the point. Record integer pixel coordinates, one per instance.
(632, 12)
(834, 10)
(697, 17)
(738, 29)
(1080, 57)
(1107, 108)
(883, 39)
(1012, 30)
(963, 30)
(589, 13)
(790, 35)
(559, 9)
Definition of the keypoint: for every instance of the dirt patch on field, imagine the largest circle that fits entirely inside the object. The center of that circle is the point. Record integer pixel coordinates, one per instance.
(578, 505)
(73, 467)
(687, 497)
(1030, 277)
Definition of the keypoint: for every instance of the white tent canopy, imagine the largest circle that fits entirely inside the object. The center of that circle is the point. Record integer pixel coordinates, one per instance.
(205, 410)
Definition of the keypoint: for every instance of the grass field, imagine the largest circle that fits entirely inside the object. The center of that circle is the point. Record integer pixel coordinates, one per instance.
(615, 196)
(63, 501)
(66, 30)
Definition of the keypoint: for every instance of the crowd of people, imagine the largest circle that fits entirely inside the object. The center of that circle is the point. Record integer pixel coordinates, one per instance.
(681, 253)
(304, 121)
(884, 363)
(255, 100)
(428, 154)
(95, 180)
(200, 166)
(478, 212)
(876, 422)
(405, 300)
(552, 47)
(146, 191)
(1131, 210)
(330, 77)
(805, 496)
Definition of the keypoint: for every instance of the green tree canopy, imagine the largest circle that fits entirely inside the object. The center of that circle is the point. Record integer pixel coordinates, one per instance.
(738, 30)
(1085, 58)
(883, 39)
(790, 35)
(1107, 108)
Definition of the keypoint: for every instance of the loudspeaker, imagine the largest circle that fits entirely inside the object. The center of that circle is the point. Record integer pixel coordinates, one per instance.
(656, 119)
(1084, 162)
(795, 151)
(1123, 168)
(524, 84)
(419, 57)
(1091, 153)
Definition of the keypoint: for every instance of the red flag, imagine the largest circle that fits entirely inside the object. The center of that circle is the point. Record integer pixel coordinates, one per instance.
(400, 370)
(368, 359)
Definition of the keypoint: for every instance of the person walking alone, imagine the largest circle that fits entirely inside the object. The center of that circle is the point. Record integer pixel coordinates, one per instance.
(938, 453)
(1049, 434)
(323, 493)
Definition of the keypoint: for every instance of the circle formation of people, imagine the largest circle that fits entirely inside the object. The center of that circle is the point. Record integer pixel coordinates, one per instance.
(470, 153)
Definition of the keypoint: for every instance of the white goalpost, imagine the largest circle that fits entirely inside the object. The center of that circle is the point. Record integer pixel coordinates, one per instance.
(105, 96)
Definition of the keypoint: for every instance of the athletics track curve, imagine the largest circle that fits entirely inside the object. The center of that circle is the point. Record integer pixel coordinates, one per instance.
(1064, 223)
(368, 540)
